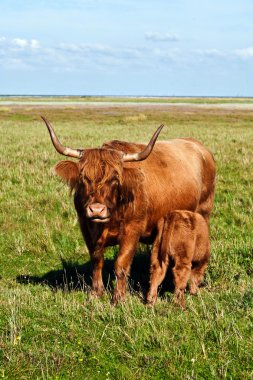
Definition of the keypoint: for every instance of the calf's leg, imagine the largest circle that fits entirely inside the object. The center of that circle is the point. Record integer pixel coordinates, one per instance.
(181, 272)
(197, 275)
(158, 266)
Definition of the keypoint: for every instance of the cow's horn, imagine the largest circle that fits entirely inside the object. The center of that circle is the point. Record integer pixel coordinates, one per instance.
(76, 153)
(128, 157)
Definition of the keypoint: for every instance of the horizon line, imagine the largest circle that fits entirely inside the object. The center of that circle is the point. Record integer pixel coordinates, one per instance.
(126, 96)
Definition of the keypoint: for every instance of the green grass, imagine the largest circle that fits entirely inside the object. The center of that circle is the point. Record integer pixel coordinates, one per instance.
(50, 327)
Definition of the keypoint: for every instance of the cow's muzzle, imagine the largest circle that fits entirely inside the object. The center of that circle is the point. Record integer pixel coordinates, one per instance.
(97, 212)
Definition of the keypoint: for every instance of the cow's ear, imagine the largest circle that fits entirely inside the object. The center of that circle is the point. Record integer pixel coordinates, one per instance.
(68, 171)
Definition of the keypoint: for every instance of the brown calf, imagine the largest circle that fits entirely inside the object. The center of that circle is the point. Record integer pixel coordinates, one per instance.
(183, 237)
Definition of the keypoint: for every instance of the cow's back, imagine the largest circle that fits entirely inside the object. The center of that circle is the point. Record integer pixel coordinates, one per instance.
(178, 174)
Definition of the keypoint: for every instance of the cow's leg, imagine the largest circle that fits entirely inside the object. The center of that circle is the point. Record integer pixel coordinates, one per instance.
(197, 275)
(158, 266)
(97, 260)
(123, 262)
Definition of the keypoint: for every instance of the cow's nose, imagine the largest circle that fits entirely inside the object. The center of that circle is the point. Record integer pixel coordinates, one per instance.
(97, 208)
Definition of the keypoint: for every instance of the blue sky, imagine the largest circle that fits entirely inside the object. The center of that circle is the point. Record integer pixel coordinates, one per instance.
(127, 47)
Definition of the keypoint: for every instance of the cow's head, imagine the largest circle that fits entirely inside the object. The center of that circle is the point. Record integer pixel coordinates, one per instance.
(97, 176)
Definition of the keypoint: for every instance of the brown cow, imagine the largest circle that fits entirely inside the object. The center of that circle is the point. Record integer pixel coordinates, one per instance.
(183, 241)
(123, 189)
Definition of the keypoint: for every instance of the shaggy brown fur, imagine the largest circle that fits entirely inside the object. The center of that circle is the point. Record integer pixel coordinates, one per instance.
(121, 202)
(183, 239)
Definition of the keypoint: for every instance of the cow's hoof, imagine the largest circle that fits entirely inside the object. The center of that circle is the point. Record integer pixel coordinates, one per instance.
(180, 302)
(117, 298)
(97, 292)
(150, 303)
(151, 300)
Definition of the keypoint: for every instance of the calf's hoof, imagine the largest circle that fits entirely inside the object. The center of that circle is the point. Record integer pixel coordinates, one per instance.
(194, 289)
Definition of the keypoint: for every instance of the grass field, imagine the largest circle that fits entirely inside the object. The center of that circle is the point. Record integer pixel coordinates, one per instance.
(50, 328)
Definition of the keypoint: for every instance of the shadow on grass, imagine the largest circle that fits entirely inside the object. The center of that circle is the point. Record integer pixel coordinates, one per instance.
(74, 277)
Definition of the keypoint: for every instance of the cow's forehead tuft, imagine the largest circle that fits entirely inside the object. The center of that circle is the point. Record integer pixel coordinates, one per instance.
(101, 164)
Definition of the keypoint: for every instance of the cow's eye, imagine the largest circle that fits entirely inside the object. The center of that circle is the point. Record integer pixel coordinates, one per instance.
(87, 180)
(114, 182)
(87, 183)
(115, 177)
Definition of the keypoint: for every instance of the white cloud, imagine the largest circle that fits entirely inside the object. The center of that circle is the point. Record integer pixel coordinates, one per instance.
(86, 48)
(34, 44)
(211, 53)
(20, 43)
(244, 53)
(19, 53)
(159, 37)
(168, 54)
(99, 51)
(29, 53)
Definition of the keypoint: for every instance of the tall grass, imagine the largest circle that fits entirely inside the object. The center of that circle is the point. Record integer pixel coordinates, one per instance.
(50, 327)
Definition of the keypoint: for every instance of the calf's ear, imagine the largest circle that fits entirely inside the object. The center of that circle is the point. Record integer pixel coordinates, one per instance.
(68, 171)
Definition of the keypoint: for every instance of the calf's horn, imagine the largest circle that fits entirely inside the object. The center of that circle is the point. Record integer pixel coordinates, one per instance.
(76, 153)
(129, 157)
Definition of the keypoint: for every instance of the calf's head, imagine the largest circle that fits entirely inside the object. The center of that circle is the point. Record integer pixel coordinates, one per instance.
(97, 176)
